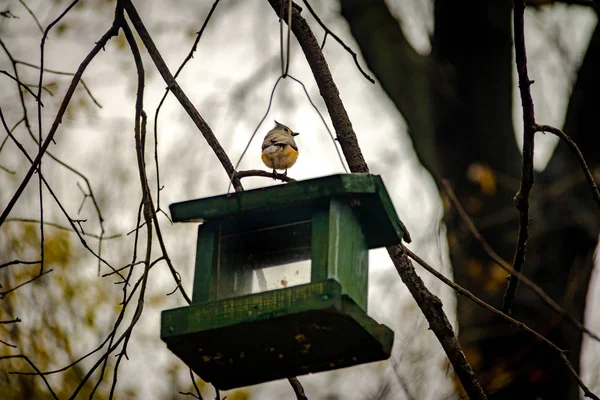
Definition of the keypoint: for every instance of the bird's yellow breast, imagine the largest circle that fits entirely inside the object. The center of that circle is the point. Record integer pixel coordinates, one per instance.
(282, 158)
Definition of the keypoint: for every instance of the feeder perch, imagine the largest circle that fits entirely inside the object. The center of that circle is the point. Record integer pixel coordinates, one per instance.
(281, 280)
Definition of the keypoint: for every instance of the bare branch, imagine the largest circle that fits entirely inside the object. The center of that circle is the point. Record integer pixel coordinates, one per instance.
(32, 15)
(340, 41)
(112, 31)
(8, 344)
(71, 221)
(52, 71)
(522, 197)
(64, 228)
(6, 292)
(24, 86)
(258, 172)
(459, 289)
(198, 395)
(580, 158)
(507, 267)
(427, 301)
(14, 262)
(179, 94)
(298, 389)
(162, 100)
(37, 371)
(11, 321)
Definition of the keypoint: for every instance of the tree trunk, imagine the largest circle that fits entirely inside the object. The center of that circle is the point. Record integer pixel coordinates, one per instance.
(457, 102)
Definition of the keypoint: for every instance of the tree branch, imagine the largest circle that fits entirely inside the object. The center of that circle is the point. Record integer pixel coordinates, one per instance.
(112, 31)
(429, 303)
(459, 289)
(507, 267)
(258, 172)
(187, 105)
(162, 100)
(522, 197)
(584, 167)
(340, 41)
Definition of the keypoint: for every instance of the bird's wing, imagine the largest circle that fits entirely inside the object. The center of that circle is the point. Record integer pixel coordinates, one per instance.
(279, 139)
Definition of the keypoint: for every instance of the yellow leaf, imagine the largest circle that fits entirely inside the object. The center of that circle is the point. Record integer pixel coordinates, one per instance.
(484, 176)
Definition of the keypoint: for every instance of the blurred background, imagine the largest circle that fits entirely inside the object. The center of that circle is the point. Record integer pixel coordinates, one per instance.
(444, 105)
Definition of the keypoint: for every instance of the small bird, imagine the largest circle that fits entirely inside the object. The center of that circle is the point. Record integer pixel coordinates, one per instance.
(279, 150)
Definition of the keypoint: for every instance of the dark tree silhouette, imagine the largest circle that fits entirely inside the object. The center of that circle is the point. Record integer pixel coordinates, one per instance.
(457, 102)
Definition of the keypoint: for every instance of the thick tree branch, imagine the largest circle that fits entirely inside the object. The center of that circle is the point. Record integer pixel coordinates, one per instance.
(328, 89)
(187, 105)
(162, 100)
(428, 302)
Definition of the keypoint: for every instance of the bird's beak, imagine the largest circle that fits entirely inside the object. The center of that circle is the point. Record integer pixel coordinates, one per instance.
(295, 133)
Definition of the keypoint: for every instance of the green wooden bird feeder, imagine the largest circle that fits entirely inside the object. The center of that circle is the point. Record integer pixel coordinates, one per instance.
(281, 280)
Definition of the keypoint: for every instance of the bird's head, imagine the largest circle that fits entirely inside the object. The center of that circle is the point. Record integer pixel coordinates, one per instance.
(285, 129)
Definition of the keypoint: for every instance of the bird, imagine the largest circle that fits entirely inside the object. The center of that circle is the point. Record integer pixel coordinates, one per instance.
(279, 150)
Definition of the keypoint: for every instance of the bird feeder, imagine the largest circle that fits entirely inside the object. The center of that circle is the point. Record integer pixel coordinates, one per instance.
(281, 280)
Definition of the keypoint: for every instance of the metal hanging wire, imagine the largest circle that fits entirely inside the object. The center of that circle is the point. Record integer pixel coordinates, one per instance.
(285, 66)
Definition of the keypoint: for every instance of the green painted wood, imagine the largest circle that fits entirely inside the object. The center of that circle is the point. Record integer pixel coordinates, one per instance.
(317, 334)
(348, 258)
(253, 307)
(298, 200)
(339, 249)
(206, 259)
(319, 245)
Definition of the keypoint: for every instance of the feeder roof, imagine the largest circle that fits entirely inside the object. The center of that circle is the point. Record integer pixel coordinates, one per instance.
(297, 200)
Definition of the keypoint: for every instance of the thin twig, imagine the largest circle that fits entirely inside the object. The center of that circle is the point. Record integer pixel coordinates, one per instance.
(162, 100)
(522, 197)
(340, 41)
(459, 289)
(14, 262)
(507, 267)
(112, 347)
(5, 292)
(8, 344)
(185, 102)
(71, 221)
(198, 395)
(24, 86)
(37, 371)
(148, 207)
(580, 158)
(112, 31)
(55, 72)
(32, 15)
(64, 228)
(11, 321)
(258, 172)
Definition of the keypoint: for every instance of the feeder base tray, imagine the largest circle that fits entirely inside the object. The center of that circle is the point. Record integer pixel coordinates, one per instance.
(273, 335)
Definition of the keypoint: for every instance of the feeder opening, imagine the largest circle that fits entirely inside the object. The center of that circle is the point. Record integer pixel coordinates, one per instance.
(264, 259)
